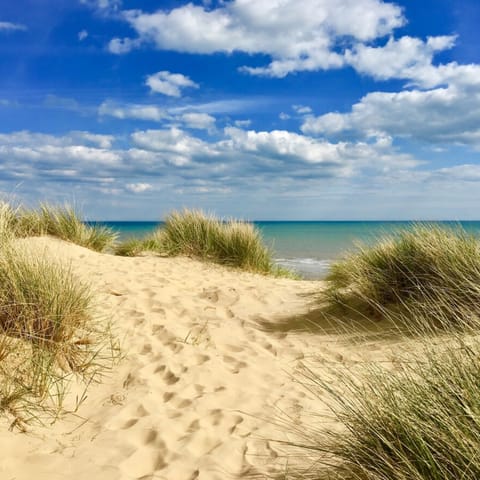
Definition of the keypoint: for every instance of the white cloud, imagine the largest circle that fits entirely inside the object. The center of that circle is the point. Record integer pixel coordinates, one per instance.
(302, 109)
(103, 5)
(82, 35)
(221, 106)
(406, 58)
(179, 147)
(340, 159)
(125, 45)
(138, 187)
(168, 83)
(448, 115)
(467, 172)
(200, 121)
(132, 111)
(296, 34)
(11, 27)
(102, 141)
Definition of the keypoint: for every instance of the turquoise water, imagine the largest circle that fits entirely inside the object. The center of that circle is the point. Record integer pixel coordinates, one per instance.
(307, 247)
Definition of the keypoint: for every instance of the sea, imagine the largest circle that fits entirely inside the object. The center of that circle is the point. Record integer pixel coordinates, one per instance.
(309, 248)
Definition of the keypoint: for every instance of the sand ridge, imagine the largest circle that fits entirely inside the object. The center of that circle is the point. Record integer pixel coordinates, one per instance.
(199, 384)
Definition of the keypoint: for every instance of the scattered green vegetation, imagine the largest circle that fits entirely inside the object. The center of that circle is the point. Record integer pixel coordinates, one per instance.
(58, 221)
(429, 271)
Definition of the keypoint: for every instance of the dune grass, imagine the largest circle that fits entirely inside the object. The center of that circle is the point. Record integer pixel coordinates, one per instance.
(419, 417)
(428, 271)
(233, 243)
(63, 222)
(47, 331)
(196, 234)
(419, 423)
(132, 247)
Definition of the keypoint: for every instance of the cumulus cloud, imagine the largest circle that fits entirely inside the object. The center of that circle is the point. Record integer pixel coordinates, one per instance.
(296, 34)
(302, 109)
(406, 58)
(239, 157)
(82, 35)
(180, 148)
(11, 27)
(242, 123)
(168, 83)
(448, 115)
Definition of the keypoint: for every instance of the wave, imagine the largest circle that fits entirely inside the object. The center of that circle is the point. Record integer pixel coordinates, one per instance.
(311, 268)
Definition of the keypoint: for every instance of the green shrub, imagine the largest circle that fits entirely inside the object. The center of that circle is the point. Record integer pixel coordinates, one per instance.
(428, 271)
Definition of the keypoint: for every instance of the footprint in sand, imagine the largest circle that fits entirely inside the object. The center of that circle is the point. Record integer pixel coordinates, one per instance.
(235, 365)
(225, 297)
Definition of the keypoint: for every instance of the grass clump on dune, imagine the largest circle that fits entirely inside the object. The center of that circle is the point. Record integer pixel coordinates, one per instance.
(47, 331)
(62, 222)
(233, 243)
(193, 233)
(421, 423)
(428, 271)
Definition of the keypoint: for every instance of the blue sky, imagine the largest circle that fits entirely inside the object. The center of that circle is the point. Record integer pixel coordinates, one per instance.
(271, 109)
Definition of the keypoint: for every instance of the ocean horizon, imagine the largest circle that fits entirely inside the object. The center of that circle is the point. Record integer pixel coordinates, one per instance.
(309, 247)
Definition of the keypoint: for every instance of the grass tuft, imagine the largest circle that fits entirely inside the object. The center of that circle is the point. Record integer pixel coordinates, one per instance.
(429, 271)
(62, 222)
(232, 243)
(47, 334)
(193, 233)
(421, 423)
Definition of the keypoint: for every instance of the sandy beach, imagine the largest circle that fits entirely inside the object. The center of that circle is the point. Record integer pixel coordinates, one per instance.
(200, 385)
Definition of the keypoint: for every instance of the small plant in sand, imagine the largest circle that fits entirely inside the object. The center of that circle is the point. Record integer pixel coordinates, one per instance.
(429, 271)
(46, 332)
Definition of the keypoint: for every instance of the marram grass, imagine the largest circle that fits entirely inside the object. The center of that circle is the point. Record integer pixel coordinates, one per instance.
(233, 243)
(419, 423)
(63, 222)
(135, 246)
(48, 332)
(429, 271)
(196, 234)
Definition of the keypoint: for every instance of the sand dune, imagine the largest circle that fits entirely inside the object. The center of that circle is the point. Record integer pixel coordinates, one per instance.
(200, 384)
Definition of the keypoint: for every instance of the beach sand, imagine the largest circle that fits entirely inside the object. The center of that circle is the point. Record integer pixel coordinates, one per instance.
(201, 386)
